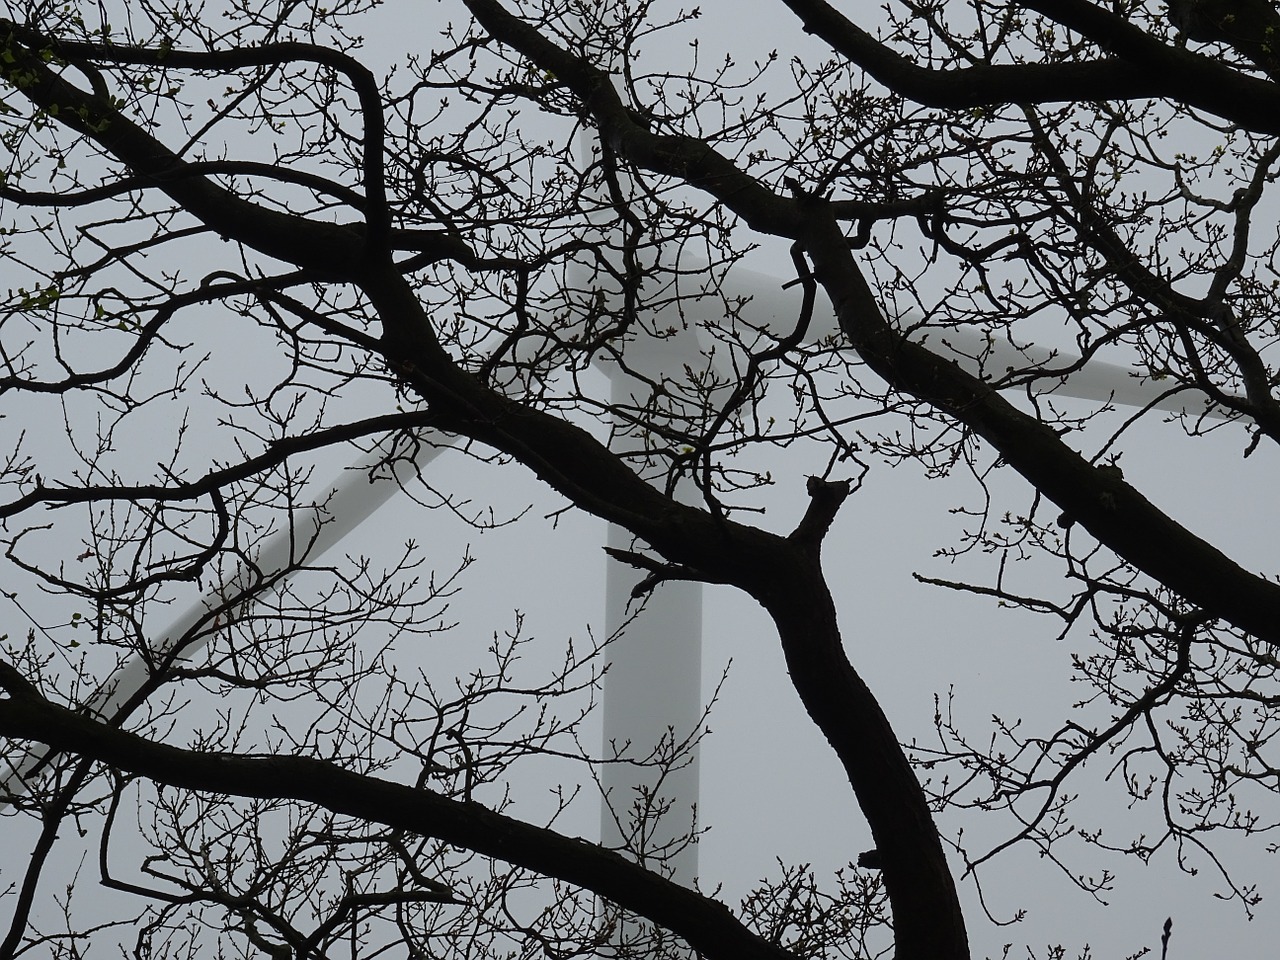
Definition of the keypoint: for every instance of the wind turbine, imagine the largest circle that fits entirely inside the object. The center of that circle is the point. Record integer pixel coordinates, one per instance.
(653, 688)
(654, 684)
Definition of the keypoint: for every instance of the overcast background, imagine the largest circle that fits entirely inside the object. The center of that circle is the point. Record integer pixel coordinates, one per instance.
(771, 788)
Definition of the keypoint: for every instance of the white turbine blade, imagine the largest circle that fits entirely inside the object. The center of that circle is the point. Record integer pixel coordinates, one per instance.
(1098, 380)
(353, 498)
(777, 310)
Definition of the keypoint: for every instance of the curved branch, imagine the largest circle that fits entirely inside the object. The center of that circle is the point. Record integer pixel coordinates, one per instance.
(194, 168)
(705, 924)
(277, 452)
(333, 249)
(1139, 67)
(1109, 508)
(147, 335)
(688, 158)
(378, 217)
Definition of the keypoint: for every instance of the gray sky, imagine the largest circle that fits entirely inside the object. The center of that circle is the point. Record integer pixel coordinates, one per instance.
(770, 787)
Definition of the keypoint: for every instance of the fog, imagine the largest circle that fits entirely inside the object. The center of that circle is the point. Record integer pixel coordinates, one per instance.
(771, 789)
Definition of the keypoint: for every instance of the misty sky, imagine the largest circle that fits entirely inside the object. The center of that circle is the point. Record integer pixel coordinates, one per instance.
(771, 788)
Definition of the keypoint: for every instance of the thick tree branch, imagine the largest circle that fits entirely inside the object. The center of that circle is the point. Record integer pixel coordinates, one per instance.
(1247, 25)
(1108, 507)
(362, 80)
(706, 924)
(825, 500)
(1138, 67)
(928, 922)
(329, 248)
(690, 159)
